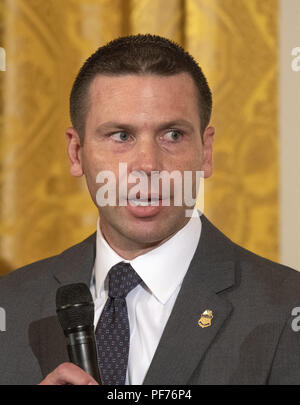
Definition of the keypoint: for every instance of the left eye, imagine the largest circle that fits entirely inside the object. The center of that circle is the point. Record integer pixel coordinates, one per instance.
(173, 135)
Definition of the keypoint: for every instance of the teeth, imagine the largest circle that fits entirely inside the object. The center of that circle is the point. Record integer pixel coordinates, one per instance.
(142, 203)
(136, 203)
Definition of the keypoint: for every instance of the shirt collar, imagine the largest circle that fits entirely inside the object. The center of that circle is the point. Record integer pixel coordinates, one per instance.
(161, 269)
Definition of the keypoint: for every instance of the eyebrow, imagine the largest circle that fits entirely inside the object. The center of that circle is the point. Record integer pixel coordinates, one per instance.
(119, 125)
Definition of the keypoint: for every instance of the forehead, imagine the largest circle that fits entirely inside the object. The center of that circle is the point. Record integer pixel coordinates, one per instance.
(144, 94)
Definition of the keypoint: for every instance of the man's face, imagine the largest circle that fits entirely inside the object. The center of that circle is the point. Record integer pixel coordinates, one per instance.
(151, 123)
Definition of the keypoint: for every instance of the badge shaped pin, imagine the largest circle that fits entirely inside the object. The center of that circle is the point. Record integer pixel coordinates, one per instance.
(206, 318)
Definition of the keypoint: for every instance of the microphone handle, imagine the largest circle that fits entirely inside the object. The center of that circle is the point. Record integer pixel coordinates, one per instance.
(83, 352)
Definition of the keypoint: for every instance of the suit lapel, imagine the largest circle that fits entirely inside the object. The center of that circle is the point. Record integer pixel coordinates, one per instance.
(46, 337)
(75, 265)
(184, 343)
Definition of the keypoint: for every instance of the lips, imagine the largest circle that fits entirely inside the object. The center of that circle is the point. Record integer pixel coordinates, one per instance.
(147, 207)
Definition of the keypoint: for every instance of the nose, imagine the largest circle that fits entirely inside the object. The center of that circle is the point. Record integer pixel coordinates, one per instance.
(146, 156)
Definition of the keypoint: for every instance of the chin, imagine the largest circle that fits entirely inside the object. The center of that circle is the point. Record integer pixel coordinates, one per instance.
(150, 234)
(144, 231)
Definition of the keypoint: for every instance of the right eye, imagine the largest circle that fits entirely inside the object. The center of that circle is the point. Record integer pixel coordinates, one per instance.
(120, 136)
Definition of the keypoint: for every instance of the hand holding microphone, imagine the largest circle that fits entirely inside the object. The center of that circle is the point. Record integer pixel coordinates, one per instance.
(68, 374)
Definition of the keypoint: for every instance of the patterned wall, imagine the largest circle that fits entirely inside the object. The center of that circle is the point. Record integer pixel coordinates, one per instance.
(43, 209)
(236, 43)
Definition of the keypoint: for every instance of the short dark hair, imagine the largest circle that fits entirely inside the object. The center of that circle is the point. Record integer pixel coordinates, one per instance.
(137, 54)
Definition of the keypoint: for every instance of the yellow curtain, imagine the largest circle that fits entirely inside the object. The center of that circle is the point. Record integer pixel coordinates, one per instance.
(43, 209)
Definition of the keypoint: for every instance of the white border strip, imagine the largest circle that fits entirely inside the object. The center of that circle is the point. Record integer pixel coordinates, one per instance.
(289, 133)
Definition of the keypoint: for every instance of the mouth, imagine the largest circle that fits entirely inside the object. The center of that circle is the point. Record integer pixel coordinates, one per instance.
(145, 207)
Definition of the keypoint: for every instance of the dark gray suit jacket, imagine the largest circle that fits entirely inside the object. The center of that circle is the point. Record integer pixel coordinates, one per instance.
(250, 340)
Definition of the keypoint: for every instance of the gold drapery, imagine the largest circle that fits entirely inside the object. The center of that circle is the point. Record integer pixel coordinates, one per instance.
(43, 209)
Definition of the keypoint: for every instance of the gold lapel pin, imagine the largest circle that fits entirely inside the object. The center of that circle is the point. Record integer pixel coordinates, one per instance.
(206, 318)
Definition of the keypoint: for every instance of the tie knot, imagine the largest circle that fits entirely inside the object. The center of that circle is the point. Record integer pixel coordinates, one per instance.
(122, 279)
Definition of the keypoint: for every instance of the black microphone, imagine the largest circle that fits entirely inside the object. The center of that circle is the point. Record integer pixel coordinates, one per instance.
(75, 311)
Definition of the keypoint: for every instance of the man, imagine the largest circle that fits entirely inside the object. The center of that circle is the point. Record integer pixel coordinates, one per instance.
(201, 310)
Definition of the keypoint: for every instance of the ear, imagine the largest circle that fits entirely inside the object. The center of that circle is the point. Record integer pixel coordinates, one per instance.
(208, 138)
(74, 152)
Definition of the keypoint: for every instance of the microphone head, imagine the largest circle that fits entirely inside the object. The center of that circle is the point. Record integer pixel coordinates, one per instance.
(74, 307)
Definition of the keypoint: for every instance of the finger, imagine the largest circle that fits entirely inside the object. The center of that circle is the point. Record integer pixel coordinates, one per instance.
(68, 373)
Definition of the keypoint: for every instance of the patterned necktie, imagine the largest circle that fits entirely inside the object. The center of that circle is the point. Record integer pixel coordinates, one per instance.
(112, 332)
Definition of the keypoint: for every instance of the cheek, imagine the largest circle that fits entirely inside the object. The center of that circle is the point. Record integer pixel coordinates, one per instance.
(93, 162)
(197, 159)
(98, 170)
(191, 163)
(192, 158)
(91, 168)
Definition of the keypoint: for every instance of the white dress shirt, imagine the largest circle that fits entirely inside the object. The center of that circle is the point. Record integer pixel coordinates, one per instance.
(150, 303)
